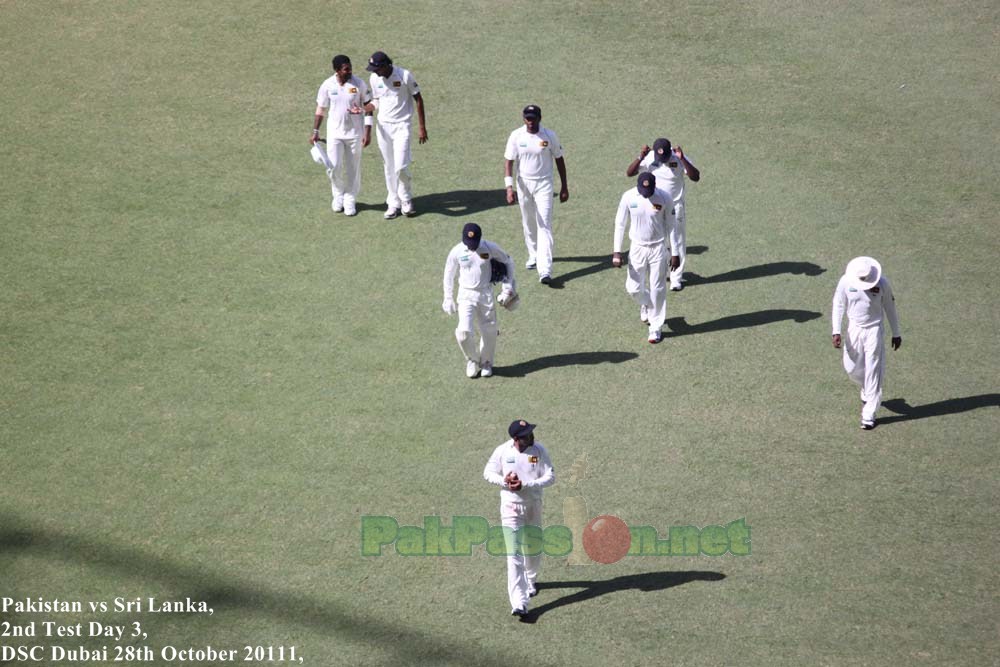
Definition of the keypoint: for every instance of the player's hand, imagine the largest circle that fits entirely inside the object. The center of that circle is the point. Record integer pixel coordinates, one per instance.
(313, 138)
(366, 139)
(644, 151)
(616, 260)
(563, 193)
(511, 196)
(679, 152)
(422, 135)
(896, 342)
(675, 262)
(513, 482)
(356, 110)
(836, 341)
(449, 307)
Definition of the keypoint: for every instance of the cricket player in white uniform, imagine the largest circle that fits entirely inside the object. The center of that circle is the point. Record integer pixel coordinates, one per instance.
(396, 96)
(650, 210)
(669, 165)
(865, 295)
(522, 468)
(346, 97)
(534, 149)
(472, 260)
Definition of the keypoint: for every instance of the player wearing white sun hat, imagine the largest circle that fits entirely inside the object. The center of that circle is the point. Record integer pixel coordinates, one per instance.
(865, 295)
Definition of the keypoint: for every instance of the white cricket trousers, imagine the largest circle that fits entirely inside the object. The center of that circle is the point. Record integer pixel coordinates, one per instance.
(345, 177)
(394, 143)
(522, 571)
(649, 262)
(535, 198)
(677, 274)
(864, 361)
(484, 315)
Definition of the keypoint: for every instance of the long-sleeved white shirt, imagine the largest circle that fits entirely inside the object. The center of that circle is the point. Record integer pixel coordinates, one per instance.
(474, 270)
(652, 219)
(533, 467)
(864, 308)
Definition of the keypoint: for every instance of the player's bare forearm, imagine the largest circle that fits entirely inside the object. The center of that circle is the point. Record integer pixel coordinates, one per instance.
(421, 119)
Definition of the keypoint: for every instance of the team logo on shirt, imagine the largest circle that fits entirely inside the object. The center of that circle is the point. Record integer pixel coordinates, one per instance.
(634, 204)
(354, 90)
(523, 144)
(658, 207)
(397, 84)
(463, 258)
(852, 289)
(532, 459)
(544, 144)
(511, 459)
(484, 255)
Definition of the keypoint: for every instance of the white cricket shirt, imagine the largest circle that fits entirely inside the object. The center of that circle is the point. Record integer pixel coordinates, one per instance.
(864, 308)
(533, 154)
(474, 270)
(339, 99)
(533, 468)
(652, 219)
(669, 175)
(394, 95)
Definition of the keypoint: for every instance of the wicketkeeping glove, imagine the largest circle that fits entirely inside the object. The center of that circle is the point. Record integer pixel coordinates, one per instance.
(509, 300)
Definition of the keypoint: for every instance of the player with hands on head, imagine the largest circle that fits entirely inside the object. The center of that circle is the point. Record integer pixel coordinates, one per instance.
(478, 264)
(521, 467)
(670, 165)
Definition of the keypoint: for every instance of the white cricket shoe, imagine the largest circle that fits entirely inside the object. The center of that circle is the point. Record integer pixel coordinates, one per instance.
(530, 264)
(471, 369)
(487, 370)
(338, 204)
(408, 209)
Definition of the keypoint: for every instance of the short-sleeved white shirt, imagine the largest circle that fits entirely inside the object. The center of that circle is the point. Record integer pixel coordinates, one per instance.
(394, 95)
(339, 99)
(669, 175)
(533, 154)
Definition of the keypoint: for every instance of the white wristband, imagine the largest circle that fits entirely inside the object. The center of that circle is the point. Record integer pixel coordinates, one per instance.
(369, 120)
(316, 132)
(508, 181)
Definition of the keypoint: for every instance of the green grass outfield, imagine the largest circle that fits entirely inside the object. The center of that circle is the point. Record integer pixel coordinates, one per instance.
(207, 378)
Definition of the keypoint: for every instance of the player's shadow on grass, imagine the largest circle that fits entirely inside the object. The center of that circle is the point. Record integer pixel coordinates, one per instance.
(556, 360)
(905, 412)
(458, 203)
(679, 327)
(326, 616)
(758, 271)
(652, 581)
(598, 263)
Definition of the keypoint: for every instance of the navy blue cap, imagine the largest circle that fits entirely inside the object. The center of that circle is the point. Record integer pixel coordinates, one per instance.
(646, 184)
(532, 111)
(378, 60)
(471, 234)
(661, 149)
(519, 428)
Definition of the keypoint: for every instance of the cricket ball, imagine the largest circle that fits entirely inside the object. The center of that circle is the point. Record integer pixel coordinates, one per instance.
(606, 539)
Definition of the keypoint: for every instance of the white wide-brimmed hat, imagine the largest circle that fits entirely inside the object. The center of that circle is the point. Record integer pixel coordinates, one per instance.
(863, 272)
(319, 156)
